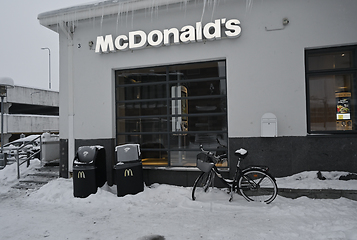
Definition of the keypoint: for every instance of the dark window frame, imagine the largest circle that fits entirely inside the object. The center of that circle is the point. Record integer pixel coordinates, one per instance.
(168, 82)
(338, 71)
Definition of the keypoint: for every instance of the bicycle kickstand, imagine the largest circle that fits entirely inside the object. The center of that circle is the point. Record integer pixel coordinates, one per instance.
(231, 198)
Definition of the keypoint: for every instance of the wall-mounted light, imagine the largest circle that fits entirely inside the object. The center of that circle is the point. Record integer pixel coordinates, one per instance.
(90, 44)
(285, 22)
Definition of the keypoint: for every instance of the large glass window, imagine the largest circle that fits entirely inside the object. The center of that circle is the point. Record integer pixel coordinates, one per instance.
(331, 89)
(171, 110)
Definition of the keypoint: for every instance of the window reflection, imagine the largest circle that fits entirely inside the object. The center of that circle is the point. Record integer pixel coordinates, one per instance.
(330, 60)
(332, 89)
(170, 110)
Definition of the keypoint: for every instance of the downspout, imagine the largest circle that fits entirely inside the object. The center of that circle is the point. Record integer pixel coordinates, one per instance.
(68, 30)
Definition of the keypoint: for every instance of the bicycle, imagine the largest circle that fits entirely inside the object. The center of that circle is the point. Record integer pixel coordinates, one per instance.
(254, 183)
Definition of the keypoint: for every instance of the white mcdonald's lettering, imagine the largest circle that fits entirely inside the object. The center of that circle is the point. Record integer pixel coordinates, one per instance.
(171, 36)
(81, 174)
(128, 172)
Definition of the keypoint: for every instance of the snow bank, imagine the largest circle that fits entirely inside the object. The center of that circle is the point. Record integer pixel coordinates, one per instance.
(167, 212)
(8, 175)
(310, 180)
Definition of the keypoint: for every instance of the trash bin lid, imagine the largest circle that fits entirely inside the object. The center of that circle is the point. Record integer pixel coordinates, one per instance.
(127, 152)
(87, 153)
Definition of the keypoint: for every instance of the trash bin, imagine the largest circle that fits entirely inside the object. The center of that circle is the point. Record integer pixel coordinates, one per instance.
(3, 160)
(89, 171)
(50, 147)
(128, 170)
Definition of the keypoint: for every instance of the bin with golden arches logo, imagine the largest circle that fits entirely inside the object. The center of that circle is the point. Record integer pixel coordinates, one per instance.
(89, 170)
(128, 170)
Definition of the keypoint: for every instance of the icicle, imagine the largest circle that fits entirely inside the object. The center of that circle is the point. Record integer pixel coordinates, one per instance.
(157, 10)
(120, 5)
(248, 5)
(93, 20)
(152, 9)
(132, 18)
(75, 20)
(126, 15)
(204, 7)
(58, 26)
(214, 9)
(185, 7)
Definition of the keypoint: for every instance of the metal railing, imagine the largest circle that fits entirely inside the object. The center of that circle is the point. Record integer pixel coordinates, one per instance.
(26, 155)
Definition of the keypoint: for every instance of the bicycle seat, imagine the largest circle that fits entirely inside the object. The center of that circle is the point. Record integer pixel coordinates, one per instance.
(241, 153)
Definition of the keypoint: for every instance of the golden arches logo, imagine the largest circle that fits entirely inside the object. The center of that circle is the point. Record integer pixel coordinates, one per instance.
(81, 174)
(128, 173)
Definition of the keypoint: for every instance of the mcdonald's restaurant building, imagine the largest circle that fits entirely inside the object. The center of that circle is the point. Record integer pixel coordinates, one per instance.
(276, 77)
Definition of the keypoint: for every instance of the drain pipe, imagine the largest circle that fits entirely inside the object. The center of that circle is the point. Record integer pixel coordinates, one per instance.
(68, 30)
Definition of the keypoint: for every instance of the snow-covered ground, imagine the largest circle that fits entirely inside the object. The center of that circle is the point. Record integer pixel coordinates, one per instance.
(167, 212)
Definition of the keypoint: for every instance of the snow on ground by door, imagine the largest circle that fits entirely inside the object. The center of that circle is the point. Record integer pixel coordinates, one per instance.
(168, 211)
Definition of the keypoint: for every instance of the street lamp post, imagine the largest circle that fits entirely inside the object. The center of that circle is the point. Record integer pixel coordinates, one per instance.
(5, 82)
(49, 66)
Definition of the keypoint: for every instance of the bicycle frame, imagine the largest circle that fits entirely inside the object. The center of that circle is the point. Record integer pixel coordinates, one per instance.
(232, 184)
(254, 183)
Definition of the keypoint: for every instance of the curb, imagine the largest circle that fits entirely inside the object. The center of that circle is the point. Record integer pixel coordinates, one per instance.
(318, 193)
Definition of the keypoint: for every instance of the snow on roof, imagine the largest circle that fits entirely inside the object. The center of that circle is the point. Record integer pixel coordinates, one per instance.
(100, 9)
(27, 139)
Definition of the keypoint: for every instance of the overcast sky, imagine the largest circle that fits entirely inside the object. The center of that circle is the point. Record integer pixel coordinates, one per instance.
(22, 38)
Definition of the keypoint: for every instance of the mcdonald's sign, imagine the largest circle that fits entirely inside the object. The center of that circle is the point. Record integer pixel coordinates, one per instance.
(81, 174)
(128, 173)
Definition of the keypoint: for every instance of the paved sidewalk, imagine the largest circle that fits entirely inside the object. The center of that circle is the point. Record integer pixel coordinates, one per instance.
(318, 193)
(319, 185)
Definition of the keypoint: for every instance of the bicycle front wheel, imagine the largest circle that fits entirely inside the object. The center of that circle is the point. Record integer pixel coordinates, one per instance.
(202, 185)
(257, 185)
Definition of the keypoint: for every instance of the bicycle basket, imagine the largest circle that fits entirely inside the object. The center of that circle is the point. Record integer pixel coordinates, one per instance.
(204, 162)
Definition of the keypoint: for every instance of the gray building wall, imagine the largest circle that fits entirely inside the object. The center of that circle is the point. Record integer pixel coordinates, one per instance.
(265, 65)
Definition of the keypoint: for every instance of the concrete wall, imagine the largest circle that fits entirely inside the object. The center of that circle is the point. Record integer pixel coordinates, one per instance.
(30, 123)
(33, 96)
(25, 123)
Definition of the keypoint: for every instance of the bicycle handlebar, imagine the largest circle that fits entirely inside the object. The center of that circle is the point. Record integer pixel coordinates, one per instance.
(216, 159)
(220, 144)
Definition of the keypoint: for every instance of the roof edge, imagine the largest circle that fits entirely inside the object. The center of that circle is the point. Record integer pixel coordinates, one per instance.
(100, 9)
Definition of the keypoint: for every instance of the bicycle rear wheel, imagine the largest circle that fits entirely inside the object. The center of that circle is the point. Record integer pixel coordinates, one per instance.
(203, 184)
(257, 185)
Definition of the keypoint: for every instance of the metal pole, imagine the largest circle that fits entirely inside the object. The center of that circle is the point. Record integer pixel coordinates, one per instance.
(2, 124)
(18, 163)
(3, 155)
(49, 66)
(5, 82)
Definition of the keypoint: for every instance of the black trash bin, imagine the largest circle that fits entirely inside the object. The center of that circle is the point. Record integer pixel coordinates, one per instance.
(3, 160)
(128, 170)
(89, 171)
